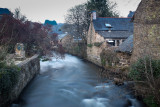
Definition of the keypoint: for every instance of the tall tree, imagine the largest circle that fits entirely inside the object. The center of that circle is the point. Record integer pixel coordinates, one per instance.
(76, 20)
(104, 8)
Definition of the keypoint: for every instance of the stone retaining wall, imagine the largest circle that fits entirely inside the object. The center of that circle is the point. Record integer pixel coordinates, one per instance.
(124, 59)
(29, 68)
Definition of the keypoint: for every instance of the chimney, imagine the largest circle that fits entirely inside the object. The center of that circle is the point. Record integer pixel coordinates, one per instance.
(131, 14)
(94, 15)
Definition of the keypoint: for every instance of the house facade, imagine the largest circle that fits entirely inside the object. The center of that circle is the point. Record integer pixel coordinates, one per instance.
(105, 33)
(147, 30)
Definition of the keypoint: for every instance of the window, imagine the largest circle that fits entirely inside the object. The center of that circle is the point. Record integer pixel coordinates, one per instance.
(111, 42)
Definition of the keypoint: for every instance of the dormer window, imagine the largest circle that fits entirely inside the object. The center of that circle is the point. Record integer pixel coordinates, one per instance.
(108, 26)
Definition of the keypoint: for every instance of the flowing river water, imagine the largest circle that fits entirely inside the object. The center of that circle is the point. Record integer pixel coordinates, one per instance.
(73, 82)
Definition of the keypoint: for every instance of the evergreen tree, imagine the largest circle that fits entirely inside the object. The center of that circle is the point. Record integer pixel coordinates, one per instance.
(104, 8)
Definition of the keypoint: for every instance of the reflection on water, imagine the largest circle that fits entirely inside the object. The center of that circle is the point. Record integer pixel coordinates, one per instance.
(73, 83)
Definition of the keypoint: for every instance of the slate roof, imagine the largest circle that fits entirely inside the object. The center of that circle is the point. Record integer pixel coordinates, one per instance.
(118, 24)
(126, 46)
(115, 34)
(4, 11)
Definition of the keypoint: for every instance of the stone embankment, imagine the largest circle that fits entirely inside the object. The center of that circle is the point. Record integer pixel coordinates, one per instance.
(29, 69)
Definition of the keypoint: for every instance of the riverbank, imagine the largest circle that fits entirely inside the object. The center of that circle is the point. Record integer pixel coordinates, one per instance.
(118, 76)
(29, 68)
(76, 83)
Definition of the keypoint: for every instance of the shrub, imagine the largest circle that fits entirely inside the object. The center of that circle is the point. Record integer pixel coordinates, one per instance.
(150, 101)
(146, 73)
(109, 57)
(145, 68)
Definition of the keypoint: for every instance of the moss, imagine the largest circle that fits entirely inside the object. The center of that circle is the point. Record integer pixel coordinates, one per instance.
(98, 44)
(89, 45)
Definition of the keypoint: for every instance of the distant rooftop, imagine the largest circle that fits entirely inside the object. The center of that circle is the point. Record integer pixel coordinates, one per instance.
(4, 11)
(50, 22)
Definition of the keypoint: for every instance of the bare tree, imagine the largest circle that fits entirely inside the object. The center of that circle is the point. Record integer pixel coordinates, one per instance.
(77, 21)
(19, 16)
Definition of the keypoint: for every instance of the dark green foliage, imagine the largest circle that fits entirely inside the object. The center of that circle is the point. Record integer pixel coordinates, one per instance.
(103, 7)
(43, 60)
(2, 64)
(146, 73)
(8, 79)
(145, 66)
(150, 101)
(98, 44)
(90, 45)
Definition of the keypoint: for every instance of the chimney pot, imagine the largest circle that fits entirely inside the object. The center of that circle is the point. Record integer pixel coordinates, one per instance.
(94, 15)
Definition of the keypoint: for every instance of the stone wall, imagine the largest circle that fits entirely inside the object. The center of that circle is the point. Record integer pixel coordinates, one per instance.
(29, 68)
(93, 52)
(147, 30)
(148, 12)
(146, 41)
(74, 47)
(114, 59)
(124, 59)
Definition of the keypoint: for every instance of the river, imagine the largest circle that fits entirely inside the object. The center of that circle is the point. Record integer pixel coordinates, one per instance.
(73, 82)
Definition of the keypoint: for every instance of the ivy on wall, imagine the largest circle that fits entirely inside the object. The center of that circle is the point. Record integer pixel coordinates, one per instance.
(90, 45)
(8, 79)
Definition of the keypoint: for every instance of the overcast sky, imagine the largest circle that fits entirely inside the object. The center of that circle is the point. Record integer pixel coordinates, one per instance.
(40, 10)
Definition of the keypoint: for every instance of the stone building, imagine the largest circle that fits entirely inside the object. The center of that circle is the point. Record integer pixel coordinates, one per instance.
(124, 52)
(106, 32)
(66, 41)
(147, 30)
